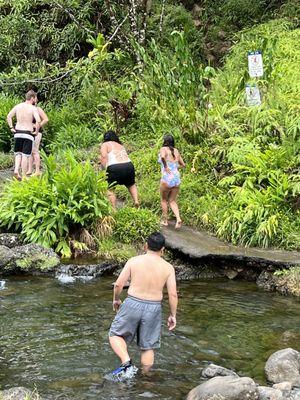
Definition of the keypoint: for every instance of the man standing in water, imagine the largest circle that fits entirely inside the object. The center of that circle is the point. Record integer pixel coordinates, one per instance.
(24, 132)
(140, 314)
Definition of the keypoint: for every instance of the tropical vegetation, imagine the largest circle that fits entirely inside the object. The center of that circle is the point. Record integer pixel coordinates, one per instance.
(147, 68)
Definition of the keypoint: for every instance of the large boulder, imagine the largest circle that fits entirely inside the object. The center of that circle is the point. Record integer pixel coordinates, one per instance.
(10, 240)
(18, 393)
(284, 366)
(31, 258)
(268, 393)
(215, 370)
(6, 256)
(225, 388)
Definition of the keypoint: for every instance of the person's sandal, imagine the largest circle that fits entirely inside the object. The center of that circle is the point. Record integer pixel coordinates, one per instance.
(164, 223)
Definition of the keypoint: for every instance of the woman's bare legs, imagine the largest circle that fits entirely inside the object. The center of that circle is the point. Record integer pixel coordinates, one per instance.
(30, 165)
(37, 162)
(134, 194)
(112, 198)
(173, 204)
(164, 194)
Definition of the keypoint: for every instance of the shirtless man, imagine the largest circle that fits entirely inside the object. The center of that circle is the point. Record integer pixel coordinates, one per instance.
(140, 314)
(24, 131)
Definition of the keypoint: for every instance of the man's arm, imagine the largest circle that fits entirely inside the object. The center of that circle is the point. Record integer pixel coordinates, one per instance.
(173, 299)
(9, 118)
(43, 116)
(119, 284)
(37, 118)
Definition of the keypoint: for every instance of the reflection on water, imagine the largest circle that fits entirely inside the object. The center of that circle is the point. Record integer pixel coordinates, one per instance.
(54, 336)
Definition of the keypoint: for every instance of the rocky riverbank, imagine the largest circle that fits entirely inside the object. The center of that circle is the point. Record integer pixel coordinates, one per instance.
(16, 258)
(282, 371)
(19, 258)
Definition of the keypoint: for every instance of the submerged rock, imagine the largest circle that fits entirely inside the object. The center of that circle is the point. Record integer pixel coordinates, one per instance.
(31, 258)
(215, 370)
(10, 240)
(71, 272)
(284, 366)
(225, 388)
(18, 393)
(287, 283)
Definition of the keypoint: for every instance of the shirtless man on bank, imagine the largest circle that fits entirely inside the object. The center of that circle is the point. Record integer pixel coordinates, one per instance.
(24, 131)
(140, 314)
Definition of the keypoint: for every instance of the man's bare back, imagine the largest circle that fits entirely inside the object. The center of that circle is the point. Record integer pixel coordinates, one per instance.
(140, 314)
(25, 114)
(149, 274)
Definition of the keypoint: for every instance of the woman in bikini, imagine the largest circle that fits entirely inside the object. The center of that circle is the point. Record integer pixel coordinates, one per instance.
(119, 168)
(170, 160)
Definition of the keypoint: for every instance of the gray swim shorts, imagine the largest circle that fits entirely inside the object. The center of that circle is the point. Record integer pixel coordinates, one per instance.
(140, 318)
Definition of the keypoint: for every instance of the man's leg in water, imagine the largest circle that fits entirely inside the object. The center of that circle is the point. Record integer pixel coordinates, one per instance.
(147, 359)
(119, 346)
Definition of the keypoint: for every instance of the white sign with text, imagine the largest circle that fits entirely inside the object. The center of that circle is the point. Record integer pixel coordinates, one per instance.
(253, 95)
(255, 64)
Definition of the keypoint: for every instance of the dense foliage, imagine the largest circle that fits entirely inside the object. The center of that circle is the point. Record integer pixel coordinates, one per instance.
(242, 176)
(133, 225)
(47, 210)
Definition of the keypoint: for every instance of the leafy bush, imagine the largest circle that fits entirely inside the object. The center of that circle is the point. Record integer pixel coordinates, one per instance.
(6, 137)
(172, 91)
(134, 225)
(6, 160)
(243, 12)
(110, 249)
(75, 137)
(47, 209)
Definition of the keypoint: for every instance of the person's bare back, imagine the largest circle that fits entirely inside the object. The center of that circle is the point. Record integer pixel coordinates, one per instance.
(140, 315)
(149, 274)
(25, 114)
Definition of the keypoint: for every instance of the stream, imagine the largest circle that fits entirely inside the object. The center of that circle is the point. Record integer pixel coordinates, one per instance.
(53, 336)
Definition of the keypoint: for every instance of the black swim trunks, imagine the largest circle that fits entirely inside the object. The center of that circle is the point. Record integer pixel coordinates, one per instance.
(23, 143)
(121, 174)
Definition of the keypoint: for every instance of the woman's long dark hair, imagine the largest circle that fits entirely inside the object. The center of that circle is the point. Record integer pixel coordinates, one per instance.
(169, 142)
(111, 136)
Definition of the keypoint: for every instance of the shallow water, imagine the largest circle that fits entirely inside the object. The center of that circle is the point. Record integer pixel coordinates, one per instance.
(54, 336)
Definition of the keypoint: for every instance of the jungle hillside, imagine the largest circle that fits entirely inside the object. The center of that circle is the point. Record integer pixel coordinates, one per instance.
(147, 68)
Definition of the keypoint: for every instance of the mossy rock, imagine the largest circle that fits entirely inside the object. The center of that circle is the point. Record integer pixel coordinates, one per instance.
(30, 258)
